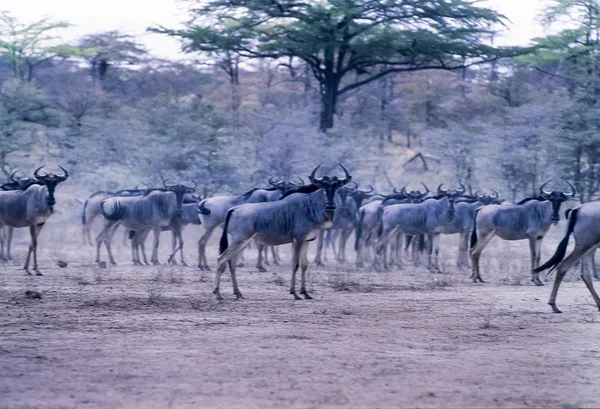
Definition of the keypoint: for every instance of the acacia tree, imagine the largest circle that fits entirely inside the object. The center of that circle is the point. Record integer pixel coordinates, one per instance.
(347, 43)
(26, 46)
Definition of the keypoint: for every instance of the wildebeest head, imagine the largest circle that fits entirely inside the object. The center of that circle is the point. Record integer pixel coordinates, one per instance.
(180, 190)
(329, 184)
(359, 196)
(556, 197)
(415, 196)
(451, 195)
(486, 199)
(50, 180)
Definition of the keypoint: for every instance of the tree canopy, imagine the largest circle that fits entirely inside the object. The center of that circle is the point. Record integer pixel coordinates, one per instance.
(346, 43)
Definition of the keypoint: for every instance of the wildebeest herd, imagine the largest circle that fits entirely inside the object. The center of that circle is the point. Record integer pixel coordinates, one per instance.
(387, 227)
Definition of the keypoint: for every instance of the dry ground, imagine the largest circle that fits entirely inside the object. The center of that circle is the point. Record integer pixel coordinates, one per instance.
(154, 337)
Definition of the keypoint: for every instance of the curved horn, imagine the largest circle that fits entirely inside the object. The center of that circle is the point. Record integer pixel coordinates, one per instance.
(347, 178)
(165, 183)
(193, 187)
(440, 190)
(542, 187)
(477, 193)
(355, 185)
(370, 191)
(12, 176)
(495, 194)
(403, 190)
(66, 174)
(426, 189)
(462, 190)
(36, 173)
(573, 190)
(312, 175)
(301, 182)
(272, 182)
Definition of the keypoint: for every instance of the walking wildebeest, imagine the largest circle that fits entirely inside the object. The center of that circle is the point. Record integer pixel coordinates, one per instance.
(296, 219)
(529, 219)
(31, 208)
(584, 225)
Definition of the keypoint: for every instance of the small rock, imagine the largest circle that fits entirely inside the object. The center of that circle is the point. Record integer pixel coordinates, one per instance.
(62, 264)
(33, 294)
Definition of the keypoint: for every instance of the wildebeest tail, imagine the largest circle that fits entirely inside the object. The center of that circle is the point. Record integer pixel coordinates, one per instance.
(380, 221)
(114, 211)
(131, 234)
(83, 218)
(223, 244)
(408, 241)
(202, 209)
(474, 232)
(561, 250)
(361, 217)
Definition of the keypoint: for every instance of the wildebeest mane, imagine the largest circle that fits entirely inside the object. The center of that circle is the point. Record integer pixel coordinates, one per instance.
(528, 199)
(307, 189)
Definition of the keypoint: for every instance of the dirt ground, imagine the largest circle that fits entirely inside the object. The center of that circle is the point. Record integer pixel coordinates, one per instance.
(155, 337)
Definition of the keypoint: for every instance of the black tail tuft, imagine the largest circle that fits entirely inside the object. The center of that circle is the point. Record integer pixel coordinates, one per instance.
(474, 231)
(223, 244)
(561, 250)
(567, 213)
(409, 240)
(380, 221)
(202, 209)
(131, 234)
(361, 217)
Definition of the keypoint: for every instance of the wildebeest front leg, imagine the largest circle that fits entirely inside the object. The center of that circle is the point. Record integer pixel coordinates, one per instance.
(320, 239)
(463, 249)
(34, 231)
(9, 236)
(434, 254)
(202, 262)
(275, 254)
(154, 258)
(303, 267)
(295, 264)
(535, 250)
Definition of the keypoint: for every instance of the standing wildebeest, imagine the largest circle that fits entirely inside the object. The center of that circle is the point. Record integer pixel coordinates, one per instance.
(6, 233)
(295, 219)
(189, 215)
(427, 217)
(31, 208)
(584, 225)
(464, 219)
(154, 210)
(529, 219)
(214, 209)
(91, 208)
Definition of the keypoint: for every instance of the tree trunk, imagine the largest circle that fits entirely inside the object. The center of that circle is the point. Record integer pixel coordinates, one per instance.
(329, 96)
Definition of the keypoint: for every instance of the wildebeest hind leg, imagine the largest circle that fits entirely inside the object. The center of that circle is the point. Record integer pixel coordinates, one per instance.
(295, 264)
(303, 267)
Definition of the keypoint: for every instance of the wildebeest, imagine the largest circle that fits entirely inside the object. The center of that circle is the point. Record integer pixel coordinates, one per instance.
(6, 233)
(189, 215)
(31, 207)
(462, 223)
(584, 225)
(295, 219)
(155, 210)
(427, 217)
(214, 209)
(529, 219)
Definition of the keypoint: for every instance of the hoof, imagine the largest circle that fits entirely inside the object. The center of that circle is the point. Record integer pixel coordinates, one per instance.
(38, 273)
(538, 283)
(238, 296)
(183, 263)
(218, 295)
(555, 308)
(296, 297)
(306, 295)
(261, 269)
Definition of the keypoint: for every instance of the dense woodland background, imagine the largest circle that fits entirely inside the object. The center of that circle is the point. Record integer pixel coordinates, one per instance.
(235, 112)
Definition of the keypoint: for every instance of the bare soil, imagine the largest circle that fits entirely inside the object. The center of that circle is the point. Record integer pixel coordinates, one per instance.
(155, 337)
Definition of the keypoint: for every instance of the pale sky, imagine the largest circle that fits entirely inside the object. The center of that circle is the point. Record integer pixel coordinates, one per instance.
(133, 16)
